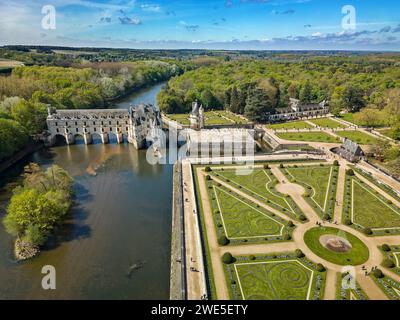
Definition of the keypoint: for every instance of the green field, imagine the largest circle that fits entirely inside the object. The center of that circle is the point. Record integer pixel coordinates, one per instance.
(357, 255)
(358, 136)
(277, 277)
(308, 136)
(260, 184)
(290, 125)
(242, 220)
(328, 123)
(370, 210)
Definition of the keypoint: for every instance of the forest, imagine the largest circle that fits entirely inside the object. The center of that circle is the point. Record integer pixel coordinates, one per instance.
(26, 93)
(258, 87)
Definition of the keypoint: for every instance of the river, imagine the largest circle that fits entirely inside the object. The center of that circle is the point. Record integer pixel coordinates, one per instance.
(121, 218)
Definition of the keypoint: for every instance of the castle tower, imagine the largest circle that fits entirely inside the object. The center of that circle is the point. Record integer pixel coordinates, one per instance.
(196, 116)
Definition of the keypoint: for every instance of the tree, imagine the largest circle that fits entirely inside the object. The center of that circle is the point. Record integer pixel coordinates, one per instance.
(235, 102)
(353, 98)
(13, 137)
(306, 93)
(31, 115)
(227, 99)
(227, 258)
(258, 105)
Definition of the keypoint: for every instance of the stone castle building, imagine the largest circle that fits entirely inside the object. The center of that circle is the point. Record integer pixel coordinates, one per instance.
(137, 125)
(196, 117)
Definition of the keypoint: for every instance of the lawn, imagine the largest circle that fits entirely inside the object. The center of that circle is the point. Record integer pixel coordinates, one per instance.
(328, 123)
(357, 255)
(318, 178)
(241, 220)
(290, 125)
(320, 184)
(350, 118)
(235, 119)
(274, 277)
(370, 210)
(308, 136)
(358, 136)
(260, 183)
(182, 118)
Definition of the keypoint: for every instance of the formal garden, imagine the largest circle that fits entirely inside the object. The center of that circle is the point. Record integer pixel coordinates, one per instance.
(388, 285)
(281, 276)
(391, 257)
(239, 221)
(358, 136)
(260, 184)
(320, 183)
(361, 205)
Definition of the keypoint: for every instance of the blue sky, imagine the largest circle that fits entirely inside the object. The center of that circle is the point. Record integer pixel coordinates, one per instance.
(213, 24)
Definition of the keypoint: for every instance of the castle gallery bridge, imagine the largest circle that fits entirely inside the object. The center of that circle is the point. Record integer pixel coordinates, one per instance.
(137, 125)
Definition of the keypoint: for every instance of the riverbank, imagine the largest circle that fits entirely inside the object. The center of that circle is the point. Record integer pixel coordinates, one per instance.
(20, 155)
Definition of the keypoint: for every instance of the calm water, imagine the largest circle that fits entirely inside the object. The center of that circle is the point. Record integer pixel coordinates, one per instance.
(121, 217)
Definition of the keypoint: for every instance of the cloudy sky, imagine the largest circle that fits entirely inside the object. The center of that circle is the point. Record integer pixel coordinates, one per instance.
(213, 24)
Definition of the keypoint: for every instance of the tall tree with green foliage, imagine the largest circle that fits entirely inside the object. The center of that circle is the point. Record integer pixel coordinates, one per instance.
(258, 105)
(306, 93)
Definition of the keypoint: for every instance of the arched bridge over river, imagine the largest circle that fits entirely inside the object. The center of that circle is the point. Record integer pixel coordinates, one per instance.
(138, 124)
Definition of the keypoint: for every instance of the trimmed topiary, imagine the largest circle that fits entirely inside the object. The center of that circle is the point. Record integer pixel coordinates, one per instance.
(223, 241)
(320, 267)
(298, 253)
(266, 166)
(287, 237)
(252, 257)
(281, 166)
(367, 231)
(348, 222)
(227, 258)
(336, 163)
(350, 172)
(378, 273)
(302, 217)
(208, 178)
(388, 263)
(326, 217)
(207, 169)
(290, 224)
(385, 247)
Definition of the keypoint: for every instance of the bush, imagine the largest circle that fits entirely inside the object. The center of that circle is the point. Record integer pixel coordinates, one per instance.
(207, 169)
(281, 166)
(216, 211)
(223, 241)
(350, 172)
(302, 217)
(266, 166)
(208, 178)
(388, 263)
(367, 231)
(298, 253)
(290, 224)
(348, 222)
(336, 163)
(227, 258)
(385, 247)
(320, 268)
(326, 217)
(287, 237)
(378, 273)
(252, 257)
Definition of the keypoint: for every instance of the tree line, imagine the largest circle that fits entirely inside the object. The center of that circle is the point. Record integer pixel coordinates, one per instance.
(258, 87)
(26, 93)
